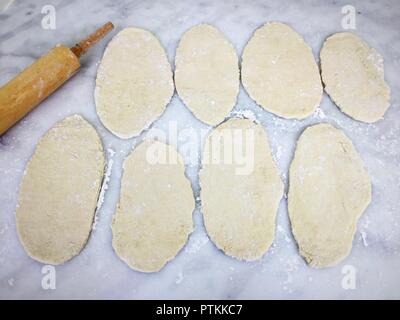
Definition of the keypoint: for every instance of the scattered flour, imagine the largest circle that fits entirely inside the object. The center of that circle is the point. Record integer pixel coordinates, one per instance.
(111, 152)
(278, 154)
(246, 114)
(282, 230)
(104, 186)
(196, 243)
(291, 265)
(319, 113)
(364, 238)
(179, 278)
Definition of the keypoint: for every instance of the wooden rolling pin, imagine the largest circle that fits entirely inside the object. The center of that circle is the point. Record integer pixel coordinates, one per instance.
(42, 78)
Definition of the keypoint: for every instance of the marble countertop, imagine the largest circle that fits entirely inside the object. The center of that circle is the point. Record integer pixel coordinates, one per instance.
(200, 270)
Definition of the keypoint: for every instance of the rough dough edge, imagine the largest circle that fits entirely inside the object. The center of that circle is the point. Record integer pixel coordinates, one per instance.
(308, 258)
(125, 260)
(329, 95)
(280, 115)
(27, 251)
(282, 191)
(227, 116)
(148, 125)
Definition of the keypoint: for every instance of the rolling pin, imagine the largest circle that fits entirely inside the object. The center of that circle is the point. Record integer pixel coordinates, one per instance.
(42, 78)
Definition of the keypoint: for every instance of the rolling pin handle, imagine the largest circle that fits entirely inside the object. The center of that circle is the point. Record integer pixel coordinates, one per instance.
(80, 48)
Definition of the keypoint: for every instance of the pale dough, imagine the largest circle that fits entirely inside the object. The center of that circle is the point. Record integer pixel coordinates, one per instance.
(239, 209)
(154, 216)
(279, 72)
(353, 75)
(329, 189)
(59, 191)
(134, 82)
(207, 73)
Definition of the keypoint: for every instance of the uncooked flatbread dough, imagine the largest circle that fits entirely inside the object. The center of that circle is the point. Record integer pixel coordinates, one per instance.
(154, 216)
(207, 73)
(239, 200)
(354, 77)
(279, 72)
(134, 82)
(59, 191)
(328, 191)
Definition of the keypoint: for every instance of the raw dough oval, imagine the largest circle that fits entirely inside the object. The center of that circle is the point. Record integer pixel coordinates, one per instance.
(154, 216)
(134, 82)
(207, 73)
(59, 191)
(329, 189)
(279, 72)
(353, 75)
(240, 200)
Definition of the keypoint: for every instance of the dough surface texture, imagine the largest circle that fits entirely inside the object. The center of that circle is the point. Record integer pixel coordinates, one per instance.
(154, 216)
(134, 82)
(207, 73)
(353, 75)
(280, 73)
(329, 189)
(239, 207)
(59, 191)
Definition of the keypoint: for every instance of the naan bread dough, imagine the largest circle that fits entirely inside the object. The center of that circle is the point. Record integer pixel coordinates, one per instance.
(207, 73)
(154, 216)
(59, 191)
(239, 206)
(354, 77)
(134, 82)
(328, 191)
(279, 72)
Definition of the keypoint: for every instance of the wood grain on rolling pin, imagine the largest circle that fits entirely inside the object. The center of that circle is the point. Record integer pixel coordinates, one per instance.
(35, 83)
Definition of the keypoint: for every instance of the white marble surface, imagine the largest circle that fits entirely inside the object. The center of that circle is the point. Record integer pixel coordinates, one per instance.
(200, 270)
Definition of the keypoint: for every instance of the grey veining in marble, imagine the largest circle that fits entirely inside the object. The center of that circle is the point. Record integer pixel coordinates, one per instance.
(200, 270)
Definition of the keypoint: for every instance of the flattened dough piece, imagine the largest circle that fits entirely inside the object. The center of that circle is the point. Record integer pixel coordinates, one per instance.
(329, 189)
(353, 75)
(154, 215)
(240, 200)
(134, 82)
(279, 72)
(59, 191)
(207, 73)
